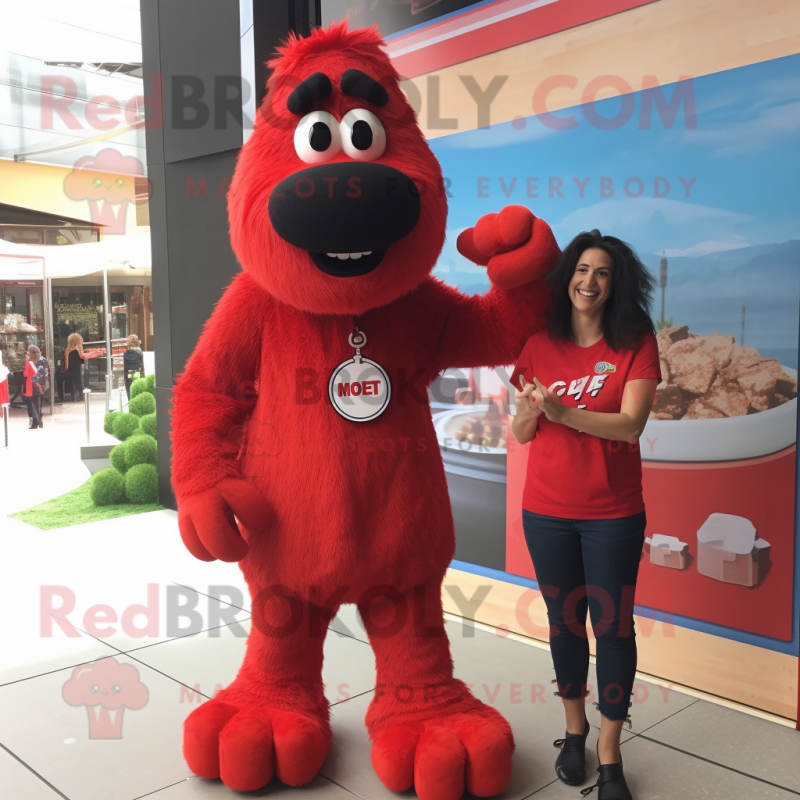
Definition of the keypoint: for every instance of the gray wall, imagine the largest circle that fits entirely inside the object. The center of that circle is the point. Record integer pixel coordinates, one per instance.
(197, 45)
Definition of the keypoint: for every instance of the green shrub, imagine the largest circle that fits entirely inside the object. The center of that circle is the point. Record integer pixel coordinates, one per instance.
(148, 424)
(117, 457)
(141, 484)
(138, 432)
(140, 450)
(108, 422)
(151, 384)
(107, 487)
(142, 404)
(138, 386)
(124, 425)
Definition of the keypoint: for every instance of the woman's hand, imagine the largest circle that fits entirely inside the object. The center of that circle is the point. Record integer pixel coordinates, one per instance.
(549, 404)
(524, 401)
(526, 419)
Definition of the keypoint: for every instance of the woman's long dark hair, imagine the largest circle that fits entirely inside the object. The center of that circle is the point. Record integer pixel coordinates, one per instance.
(626, 316)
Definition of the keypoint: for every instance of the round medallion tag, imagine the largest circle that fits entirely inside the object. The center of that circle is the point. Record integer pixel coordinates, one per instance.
(359, 389)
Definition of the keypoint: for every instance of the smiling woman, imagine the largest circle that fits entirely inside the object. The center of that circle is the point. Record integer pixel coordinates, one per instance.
(595, 263)
(590, 286)
(587, 386)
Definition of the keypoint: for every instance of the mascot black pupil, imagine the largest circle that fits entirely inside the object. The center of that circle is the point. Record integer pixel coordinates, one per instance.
(361, 137)
(319, 137)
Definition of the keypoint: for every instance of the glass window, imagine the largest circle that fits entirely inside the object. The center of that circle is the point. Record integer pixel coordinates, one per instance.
(49, 235)
(23, 234)
(77, 309)
(21, 321)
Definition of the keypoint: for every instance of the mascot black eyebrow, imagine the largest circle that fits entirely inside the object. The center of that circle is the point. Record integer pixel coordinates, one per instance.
(335, 491)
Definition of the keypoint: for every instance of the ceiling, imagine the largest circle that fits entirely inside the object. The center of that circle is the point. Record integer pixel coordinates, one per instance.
(87, 53)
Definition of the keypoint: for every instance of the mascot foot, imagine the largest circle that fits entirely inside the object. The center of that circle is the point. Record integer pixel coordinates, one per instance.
(444, 755)
(246, 743)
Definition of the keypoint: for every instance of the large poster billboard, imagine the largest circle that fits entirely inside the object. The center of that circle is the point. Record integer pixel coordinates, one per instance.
(700, 177)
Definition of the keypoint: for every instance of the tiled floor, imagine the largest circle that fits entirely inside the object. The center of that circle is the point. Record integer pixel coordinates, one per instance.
(44, 463)
(680, 747)
(187, 637)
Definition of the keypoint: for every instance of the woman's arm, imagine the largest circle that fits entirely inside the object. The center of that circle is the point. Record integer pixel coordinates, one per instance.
(625, 426)
(526, 420)
(524, 429)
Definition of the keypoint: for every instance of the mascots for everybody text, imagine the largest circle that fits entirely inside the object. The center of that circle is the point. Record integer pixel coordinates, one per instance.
(320, 354)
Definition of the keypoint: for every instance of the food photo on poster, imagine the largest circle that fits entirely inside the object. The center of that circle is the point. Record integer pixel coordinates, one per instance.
(708, 204)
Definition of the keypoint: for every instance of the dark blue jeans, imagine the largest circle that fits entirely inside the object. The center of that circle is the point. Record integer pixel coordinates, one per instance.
(34, 405)
(584, 563)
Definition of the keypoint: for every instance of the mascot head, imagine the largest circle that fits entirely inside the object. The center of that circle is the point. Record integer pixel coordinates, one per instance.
(337, 204)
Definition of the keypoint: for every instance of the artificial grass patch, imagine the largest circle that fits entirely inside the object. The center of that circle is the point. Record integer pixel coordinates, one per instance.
(76, 508)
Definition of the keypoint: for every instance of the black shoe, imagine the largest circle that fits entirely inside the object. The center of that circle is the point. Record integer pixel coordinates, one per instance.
(571, 761)
(610, 783)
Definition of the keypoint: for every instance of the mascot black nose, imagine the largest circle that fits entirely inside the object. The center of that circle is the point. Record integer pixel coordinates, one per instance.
(345, 207)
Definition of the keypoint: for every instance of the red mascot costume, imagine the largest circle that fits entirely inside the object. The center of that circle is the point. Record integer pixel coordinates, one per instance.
(307, 452)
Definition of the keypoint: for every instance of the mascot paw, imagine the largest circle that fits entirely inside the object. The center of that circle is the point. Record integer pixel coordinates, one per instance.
(207, 524)
(245, 745)
(441, 757)
(516, 246)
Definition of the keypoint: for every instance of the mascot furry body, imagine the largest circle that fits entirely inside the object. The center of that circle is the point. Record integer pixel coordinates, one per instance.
(329, 510)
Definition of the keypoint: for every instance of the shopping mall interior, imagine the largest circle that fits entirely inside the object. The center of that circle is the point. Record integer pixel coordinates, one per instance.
(209, 209)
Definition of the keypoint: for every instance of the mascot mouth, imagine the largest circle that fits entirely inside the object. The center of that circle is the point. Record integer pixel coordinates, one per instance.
(346, 265)
(345, 214)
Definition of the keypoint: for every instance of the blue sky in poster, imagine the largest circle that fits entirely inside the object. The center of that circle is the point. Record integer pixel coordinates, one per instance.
(731, 227)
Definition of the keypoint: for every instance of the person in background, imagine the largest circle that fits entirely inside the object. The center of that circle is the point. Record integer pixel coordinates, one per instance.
(133, 362)
(4, 399)
(72, 366)
(586, 388)
(37, 382)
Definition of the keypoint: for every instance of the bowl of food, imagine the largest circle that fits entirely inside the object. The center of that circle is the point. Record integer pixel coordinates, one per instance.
(474, 428)
(718, 401)
(472, 441)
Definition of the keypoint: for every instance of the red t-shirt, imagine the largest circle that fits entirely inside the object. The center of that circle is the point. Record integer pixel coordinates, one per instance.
(577, 475)
(29, 374)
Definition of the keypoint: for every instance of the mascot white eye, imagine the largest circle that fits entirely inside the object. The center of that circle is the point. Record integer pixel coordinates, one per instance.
(317, 137)
(363, 136)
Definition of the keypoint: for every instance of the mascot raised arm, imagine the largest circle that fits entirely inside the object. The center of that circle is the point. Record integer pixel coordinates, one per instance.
(303, 444)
